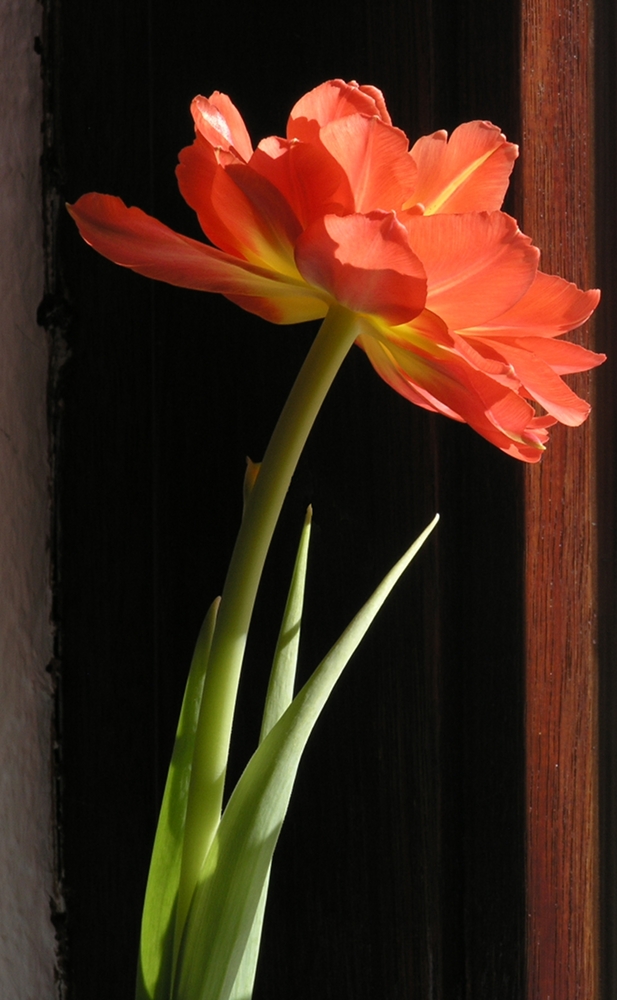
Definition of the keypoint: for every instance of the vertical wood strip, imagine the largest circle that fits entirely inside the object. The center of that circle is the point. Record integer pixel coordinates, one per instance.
(561, 739)
(606, 429)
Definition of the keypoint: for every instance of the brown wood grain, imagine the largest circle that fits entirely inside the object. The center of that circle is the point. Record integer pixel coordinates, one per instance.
(561, 727)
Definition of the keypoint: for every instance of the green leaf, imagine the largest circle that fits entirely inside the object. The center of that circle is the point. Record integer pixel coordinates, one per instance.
(228, 895)
(283, 673)
(278, 699)
(154, 973)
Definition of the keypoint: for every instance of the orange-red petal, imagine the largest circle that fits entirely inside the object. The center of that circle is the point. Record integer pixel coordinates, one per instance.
(308, 177)
(564, 357)
(468, 173)
(239, 210)
(477, 265)
(133, 239)
(450, 386)
(218, 120)
(380, 102)
(330, 101)
(537, 363)
(375, 159)
(550, 307)
(541, 383)
(364, 262)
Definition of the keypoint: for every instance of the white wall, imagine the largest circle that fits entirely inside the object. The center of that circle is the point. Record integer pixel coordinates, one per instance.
(26, 933)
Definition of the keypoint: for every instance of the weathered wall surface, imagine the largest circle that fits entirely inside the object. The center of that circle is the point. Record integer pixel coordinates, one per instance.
(26, 933)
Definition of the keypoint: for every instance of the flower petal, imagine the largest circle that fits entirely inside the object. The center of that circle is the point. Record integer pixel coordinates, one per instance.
(449, 385)
(469, 173)
(564, 357)
(308, 177)
(238, 210)
(550, 307)
(542, 384)
(477, 265)
(330, 101)
(365, 263)
(380, 102)
(133, 239)
(538, 377)
(221, 124)
(375, 159)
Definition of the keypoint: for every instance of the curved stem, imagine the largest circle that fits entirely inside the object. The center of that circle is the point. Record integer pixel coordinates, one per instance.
(336, 335)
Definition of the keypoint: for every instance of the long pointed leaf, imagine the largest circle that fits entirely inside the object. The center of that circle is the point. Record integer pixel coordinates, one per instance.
(283, 673)
(227, 898)
(278, 699)
(154, 973)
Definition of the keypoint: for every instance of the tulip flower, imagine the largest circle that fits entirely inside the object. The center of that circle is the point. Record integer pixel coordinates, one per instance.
(406, 253)
(452, 310)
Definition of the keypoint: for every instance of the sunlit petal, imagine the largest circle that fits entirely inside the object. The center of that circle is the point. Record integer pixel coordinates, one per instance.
(477, 265)
(375, 159)
(537, 371)
(564, 357)
(365, 263)
(221, 124)
(329, 102)
(380, 102)
(468, 173)
(135, 240)
(541, 383)
(308, 177)
(450, 386)
(238, 210)
(551, 306)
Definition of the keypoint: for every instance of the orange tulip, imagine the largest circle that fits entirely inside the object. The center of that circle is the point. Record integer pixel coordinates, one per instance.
(453, 311)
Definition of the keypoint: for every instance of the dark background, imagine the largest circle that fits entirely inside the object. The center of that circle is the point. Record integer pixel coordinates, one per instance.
(400, 871)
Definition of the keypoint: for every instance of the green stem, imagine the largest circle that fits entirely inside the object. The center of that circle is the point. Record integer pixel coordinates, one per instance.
(337, 334)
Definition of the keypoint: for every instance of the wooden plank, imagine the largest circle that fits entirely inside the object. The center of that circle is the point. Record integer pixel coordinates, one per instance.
(606, 425)
(562, 834)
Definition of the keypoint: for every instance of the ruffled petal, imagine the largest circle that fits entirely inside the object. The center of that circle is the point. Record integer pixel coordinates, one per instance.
(239, 210)
(221, 124)
(384, 364)
(542, 384)
(477, 265)
(375, 159)
(538, 378)
(135, 240)
(449, 385)
(380, 102)
(550, 307)
(196, 174)
(364, 263)
(428, 334)
(308, 177)
(470, 173)
(329, 102)
(564, 357)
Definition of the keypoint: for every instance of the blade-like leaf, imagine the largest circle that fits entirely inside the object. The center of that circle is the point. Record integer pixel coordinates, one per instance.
(227, 898)
(283, 673)
(154, 973)
(278, 699)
